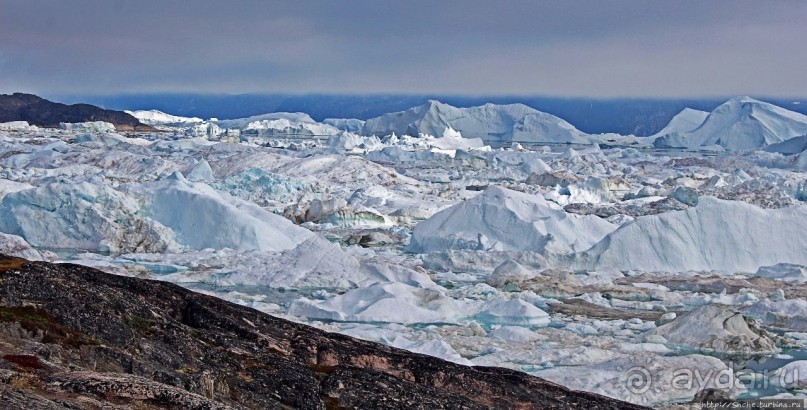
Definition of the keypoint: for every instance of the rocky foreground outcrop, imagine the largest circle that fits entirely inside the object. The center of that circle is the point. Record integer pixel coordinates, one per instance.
(76, 337)
(41, 112)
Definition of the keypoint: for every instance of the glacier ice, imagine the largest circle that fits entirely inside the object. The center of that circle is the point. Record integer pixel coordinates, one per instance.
(85, 215)
(738, 124)
(157, 117)
(715, 235)
(512, 312)
(566, 255)
(715, 328)
(202, 217)
(13, 245)
(685, 121)
(504, 220)
(494, 124)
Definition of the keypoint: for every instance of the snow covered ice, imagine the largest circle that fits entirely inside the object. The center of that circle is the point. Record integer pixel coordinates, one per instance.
(491, 235)
(740, 123)
(494, 124)
(505, 220)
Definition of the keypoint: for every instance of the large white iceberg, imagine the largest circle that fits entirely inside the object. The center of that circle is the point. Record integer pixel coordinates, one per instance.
(436, 348)
(85, 215)
(739, 124)
(202, 217)
(17, 126)
(280, 124)
(501, 219)
(345, 124)
(715, 235)
(157, 117)
(494, 124)
(685, 121)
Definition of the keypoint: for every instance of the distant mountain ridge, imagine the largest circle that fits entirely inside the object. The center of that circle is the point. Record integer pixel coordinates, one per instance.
(41, 112)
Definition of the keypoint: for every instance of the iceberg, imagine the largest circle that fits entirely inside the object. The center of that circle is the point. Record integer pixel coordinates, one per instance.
(17, 126)
(741, 123)
(453, 140)
(7, 187)
(259, 186)
(514, 334)
(512, 312)
(650, 380)
(157, 117)
(313, 263)
(345, 124)
(493, 124)
(279, 124)
(715, 328)
(87, 216)
(791, 376)
(13, 245)
(716, 235)
(685, 121)
(790, 314)
(383, 302)
(795, 145)
(202, 217)
(93, 126)
(500, 219)
(510, 271)
(346, 141)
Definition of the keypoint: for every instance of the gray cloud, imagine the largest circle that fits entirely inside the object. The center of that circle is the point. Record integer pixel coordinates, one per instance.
(569, 48)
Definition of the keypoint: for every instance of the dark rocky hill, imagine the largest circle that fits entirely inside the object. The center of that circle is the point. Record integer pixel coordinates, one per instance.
(41, 112)
(75, 337)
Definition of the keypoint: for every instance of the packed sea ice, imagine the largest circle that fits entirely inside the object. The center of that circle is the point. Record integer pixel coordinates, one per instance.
(488, 236)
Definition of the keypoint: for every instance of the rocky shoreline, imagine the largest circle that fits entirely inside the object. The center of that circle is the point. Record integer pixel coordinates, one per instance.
(76, 337)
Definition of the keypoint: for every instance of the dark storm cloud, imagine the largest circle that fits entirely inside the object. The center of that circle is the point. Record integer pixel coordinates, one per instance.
(580, 48)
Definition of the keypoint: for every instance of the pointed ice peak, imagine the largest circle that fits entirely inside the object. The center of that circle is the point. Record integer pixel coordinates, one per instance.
(177, 176)
(745, 106)
(505, 220)
(692, 111)
(570, 153)
(685, 121)
(496, 191)
(451, 133)
(201, 172)
(436, 106)
(743, 99)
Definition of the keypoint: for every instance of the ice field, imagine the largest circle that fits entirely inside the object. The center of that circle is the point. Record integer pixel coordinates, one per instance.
(495, 235)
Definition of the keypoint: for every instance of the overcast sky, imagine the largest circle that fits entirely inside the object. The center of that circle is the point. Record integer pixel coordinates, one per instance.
(562, 48)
